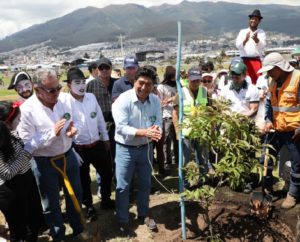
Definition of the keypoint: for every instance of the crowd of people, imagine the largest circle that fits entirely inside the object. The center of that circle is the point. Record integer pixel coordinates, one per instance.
(116, 123)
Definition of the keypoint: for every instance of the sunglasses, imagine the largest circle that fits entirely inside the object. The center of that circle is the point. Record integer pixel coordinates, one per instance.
(51, 90)
(235, 74)
(206, 81)
(101, 68)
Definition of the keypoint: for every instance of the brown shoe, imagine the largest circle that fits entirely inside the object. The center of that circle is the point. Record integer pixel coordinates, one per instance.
(289, 202)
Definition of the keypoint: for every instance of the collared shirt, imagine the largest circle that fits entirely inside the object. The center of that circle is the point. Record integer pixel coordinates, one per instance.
(36, 127)
(88, 119)
(251, 49)
(120, 86)
(103, 96)
(130, 114)
(89, 79)
(241, 100)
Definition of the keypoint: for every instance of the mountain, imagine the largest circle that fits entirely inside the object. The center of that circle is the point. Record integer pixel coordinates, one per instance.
(91, 25)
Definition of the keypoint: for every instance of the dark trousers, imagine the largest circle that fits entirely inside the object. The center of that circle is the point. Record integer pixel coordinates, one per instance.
(277, 140)
(169, 136)
(160, 157)
(20, 204)
(100, 159)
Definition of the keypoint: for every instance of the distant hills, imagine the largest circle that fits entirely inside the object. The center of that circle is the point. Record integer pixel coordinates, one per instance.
(92, 25)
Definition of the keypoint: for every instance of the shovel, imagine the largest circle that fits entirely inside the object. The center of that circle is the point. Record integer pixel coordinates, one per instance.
(71, 193)
(261, 202)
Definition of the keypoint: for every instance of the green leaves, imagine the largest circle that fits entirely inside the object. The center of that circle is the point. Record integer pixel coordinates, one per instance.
(234, 137)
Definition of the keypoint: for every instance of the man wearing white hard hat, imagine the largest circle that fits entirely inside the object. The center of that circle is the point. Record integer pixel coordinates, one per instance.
(283, 116)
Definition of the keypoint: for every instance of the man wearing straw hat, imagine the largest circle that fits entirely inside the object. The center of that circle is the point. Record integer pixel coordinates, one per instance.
(283, 116)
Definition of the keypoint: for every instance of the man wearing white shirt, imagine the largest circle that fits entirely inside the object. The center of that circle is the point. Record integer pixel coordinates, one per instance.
(243, 95)
(91, 141)
(251, 43)
(46, 128)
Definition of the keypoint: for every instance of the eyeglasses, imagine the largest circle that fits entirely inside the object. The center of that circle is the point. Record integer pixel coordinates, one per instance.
(206, 81)
(51, 90)
(101, 68)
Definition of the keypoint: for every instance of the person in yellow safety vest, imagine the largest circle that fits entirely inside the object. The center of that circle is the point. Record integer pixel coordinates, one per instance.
(283, 116)
(183, 78)
(193, 95)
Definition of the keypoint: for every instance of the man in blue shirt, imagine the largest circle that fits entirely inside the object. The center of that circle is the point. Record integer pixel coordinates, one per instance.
(125, 83)
(138, 119)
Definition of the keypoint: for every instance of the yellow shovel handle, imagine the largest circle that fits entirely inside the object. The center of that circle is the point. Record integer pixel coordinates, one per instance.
(68, 185)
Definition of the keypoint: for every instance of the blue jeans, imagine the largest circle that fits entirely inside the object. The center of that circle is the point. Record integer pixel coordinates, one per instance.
(48, 181)
(279, 139)
(128, 160)
(201, 154)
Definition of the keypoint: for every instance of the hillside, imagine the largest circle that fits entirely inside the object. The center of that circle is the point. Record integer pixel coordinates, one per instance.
(91, 25)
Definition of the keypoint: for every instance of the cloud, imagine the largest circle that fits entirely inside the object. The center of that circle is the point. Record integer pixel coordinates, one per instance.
(16, 15)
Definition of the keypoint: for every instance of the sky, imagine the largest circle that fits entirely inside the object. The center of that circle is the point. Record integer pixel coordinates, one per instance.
(16, 15)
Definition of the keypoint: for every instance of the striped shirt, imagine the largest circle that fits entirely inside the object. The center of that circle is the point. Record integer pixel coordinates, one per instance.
(19, 163)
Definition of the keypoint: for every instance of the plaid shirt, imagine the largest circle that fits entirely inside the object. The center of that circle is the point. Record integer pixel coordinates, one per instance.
(103, 96)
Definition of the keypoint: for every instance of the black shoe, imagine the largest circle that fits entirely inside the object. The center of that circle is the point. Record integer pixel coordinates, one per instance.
(107, 204)
(149, 222)
(123, 229)
(91, 213)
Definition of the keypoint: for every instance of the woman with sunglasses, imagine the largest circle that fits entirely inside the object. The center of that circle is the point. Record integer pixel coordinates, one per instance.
(208, 82)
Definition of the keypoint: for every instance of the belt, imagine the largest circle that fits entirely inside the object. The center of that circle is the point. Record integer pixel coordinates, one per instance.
(251, 58)
(132, 146)
(88, 146)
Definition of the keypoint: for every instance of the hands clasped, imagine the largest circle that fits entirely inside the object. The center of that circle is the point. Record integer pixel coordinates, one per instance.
(154, 133)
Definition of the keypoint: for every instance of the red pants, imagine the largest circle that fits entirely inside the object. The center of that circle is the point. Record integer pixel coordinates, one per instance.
(253, 65)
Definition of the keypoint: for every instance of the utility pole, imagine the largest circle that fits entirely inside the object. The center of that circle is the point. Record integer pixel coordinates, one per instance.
(121, 43)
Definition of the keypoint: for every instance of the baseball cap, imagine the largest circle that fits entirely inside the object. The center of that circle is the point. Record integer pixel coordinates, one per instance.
(296, 51)
(104, 61)
(238, 68)
(194, 73)
(131, 61)
(275, 59)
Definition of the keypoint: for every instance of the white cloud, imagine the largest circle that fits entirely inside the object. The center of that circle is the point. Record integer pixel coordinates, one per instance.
(16, 15)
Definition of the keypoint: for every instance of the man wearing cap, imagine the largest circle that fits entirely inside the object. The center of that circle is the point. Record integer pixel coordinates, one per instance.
(21, 82)
(244, 96)
(193, 95)
(283, 116)
(91, 141)
(251, 43)
(138, 117)
(47, 129)
(101, 87)
(93, 69)
(125, 83)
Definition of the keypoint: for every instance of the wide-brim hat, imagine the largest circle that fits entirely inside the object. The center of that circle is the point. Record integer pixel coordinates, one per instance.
(255, 13)
(275, 59)
(17, 77)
